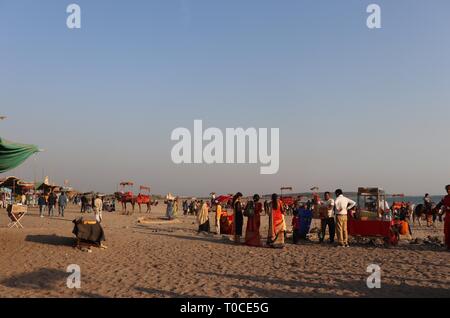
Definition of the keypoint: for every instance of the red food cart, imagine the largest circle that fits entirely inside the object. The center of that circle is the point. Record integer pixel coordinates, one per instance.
(370, 218)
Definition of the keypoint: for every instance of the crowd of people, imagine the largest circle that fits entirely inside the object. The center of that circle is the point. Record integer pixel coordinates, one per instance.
(55, 203)
(335, 219)
(50, 201)
(334, 216)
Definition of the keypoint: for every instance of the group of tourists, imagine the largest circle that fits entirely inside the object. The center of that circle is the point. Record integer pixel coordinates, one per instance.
(334, 216)
(192, 208)
(50, 201)
(189, 208)
(172, 206)
(253, 210)
(27, 198)
(335, 220)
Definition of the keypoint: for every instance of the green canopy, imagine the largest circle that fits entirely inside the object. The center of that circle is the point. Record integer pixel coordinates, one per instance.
(13, 154)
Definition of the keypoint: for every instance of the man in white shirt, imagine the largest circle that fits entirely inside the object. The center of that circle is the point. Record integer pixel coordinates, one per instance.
(342, 205)
(98, 208)
(328, 219)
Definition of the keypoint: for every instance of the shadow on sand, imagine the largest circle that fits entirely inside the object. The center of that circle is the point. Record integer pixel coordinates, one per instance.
(206, 238)
(51, 240)
(159, 293)
(329, 288)
(44, 278)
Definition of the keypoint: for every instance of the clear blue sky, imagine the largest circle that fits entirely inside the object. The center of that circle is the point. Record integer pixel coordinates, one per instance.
(354, 106)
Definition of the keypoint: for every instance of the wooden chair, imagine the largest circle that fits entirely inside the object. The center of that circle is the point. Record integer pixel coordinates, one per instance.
(15, 214)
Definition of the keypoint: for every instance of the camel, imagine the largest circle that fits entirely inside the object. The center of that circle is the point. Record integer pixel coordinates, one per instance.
(141, 199)
(124, 199)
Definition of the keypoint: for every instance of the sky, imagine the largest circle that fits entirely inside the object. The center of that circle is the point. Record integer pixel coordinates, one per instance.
(355, 106)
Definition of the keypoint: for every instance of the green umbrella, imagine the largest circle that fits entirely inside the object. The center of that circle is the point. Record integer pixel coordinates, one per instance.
(14, 154)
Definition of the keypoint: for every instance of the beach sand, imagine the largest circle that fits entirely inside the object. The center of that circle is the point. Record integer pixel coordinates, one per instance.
(169, 259)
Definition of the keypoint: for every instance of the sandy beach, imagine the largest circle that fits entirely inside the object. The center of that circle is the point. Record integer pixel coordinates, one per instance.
(169, 259)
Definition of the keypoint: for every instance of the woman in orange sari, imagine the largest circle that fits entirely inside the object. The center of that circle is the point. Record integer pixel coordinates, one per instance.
(252, 235)
(276, 224)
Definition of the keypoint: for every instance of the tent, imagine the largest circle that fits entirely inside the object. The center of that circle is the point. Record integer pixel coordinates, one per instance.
(47, 187)
(15, 184)
(12, 154)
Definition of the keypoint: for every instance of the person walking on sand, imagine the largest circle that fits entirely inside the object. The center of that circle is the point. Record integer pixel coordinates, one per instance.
(83, 204)
(51, 203)
(185, 207)
(342, 205)
(203, 219)
(277, 225)
(296, 226)
(427, 202)
(328, 219)
(198, 207)
(445, 204)
(175, 208)
(266, 207)
(62, 203)
(192, 208)
(42, 204)
(218, 216)
(98, 209)
(238, 223)
(253, 212)
(169, 210)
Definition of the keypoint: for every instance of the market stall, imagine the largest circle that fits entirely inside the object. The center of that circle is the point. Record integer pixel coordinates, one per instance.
(11, 156)
(370, 218)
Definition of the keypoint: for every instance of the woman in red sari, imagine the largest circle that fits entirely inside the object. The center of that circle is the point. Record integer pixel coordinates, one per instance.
(445, 204)
(252, 235)
(276, 224)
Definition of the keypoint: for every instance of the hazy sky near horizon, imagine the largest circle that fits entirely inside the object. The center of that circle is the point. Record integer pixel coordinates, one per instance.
(355, 107)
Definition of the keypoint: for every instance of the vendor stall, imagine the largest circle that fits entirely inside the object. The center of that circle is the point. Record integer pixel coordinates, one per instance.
(368, 221)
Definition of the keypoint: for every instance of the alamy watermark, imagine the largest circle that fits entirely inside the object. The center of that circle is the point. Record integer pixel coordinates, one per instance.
(74, 19)
(74, 279)
(241, 146)
(374, 280)
(374, 19)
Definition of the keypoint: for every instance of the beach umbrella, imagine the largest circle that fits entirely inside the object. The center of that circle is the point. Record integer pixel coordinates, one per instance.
(14, 154)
